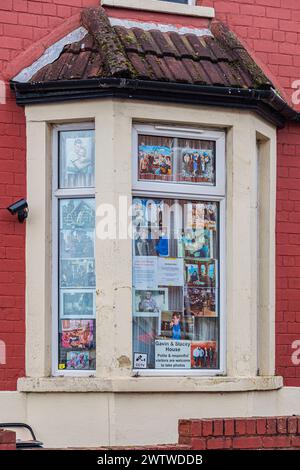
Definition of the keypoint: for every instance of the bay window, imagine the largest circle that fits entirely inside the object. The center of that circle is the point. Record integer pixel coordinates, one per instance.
(178, 254)
(74, 249)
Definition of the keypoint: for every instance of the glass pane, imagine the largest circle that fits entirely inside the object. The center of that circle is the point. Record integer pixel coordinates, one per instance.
(175, 284)
(76, 162)
(77, 327)
(176, 160)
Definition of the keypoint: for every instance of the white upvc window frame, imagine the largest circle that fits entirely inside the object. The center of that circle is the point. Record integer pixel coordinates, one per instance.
(193, 191)
(57, 195)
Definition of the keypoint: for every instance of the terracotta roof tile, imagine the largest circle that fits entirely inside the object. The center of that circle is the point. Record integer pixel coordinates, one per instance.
(117, 51)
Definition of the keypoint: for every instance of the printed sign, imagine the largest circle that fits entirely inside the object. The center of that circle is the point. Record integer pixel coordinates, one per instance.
(140, 361)
(172, 354)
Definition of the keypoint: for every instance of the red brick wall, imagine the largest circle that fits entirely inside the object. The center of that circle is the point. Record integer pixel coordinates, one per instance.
(7, 440)
(22, 23)
(240, 433)
(270, 29)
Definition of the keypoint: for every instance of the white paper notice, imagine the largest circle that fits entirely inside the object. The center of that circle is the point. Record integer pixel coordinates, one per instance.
(172, 354)
(145, 272)
(170, 272)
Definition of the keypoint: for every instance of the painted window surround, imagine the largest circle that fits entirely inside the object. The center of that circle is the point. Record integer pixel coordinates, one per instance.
(163, 7)
(250, 297)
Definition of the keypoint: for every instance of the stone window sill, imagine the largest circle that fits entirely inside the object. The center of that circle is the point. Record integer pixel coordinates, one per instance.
(162, 7)
(149, 385)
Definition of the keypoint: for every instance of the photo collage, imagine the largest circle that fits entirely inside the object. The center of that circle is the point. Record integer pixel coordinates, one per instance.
(77, 282)
(175, 284)
(176, 160)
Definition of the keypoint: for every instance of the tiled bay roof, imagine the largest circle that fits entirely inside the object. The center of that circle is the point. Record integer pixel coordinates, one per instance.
(213, 58)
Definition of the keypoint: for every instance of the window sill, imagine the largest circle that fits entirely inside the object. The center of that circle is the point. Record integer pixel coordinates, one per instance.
(145, 385)
(162, 7)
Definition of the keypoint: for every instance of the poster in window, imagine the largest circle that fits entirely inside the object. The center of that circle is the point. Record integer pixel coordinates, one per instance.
(78, 360)
(155, 162)
(197, 166)
(195, 244)
(204, 355)
(77, 214)
(77, 166)
(79, 303)
(200, 302)
(149, 302)
(147, 212)
(201, 215)
(77, 273)
(151, 241)
(78, 334)
(77, 244)
(201, 272)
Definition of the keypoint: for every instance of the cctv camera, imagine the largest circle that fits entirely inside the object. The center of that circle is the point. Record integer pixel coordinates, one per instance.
(21, 208)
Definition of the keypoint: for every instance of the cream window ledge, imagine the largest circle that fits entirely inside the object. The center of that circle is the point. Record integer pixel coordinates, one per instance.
(144, 385)
(163, 7)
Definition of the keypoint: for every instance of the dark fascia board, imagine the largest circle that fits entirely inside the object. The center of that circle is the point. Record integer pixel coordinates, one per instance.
(266, 102)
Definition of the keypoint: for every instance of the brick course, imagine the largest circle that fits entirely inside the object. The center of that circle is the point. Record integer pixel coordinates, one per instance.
(240, 433)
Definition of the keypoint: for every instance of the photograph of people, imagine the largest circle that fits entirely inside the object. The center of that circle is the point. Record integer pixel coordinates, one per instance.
(192, 273)
(155, 162)
(175, 325)
(148, 303)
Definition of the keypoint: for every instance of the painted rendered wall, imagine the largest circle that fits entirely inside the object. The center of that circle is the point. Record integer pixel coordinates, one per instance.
(136, 418)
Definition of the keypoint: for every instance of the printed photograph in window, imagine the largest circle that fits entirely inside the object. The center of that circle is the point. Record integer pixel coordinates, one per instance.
(204, 355)
(151, 242)
(77, 303)
(200, 302)
(77, 214)
(78, 360)
(155, 159)
(197, 166)
(201, 216)
(77, 166)
(201, 273)
(77, 244)
(78, 334)
(77, 273)
(147, 212)
(150, 301)
(196, 244)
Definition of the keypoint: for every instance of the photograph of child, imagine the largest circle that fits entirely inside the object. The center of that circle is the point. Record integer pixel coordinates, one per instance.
(78, 360)
(150, 301)
(77, 159)
(200, 302)
(197, 166)
(204, 355)
(155, 162)
(77, 334)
